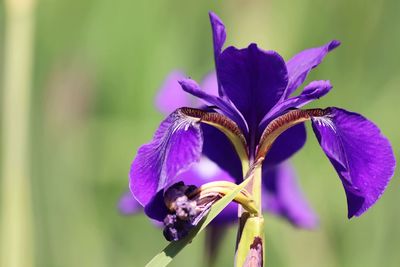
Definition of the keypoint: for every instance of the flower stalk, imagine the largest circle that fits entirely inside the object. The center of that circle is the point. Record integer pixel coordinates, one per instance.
(250, 238)
(250, 241)
(250, 248)
(16, 244)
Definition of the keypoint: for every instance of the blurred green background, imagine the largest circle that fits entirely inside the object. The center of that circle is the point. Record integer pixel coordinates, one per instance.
(97, 67)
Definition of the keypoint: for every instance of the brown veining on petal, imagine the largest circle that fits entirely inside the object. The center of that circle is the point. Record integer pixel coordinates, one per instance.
(215, 118)
(282, 123)
(224, 124)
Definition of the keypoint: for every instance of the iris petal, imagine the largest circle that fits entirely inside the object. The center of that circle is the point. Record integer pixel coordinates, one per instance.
(283, 196)
(219, 37)
(176, 144)
(253, 79)
(361, 155)
(218, 32)
(301, 64)
(312, 91)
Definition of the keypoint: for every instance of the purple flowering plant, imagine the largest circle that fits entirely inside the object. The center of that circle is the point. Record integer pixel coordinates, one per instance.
(231, 138)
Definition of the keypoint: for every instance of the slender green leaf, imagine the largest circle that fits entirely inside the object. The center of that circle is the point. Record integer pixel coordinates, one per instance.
(170, 251)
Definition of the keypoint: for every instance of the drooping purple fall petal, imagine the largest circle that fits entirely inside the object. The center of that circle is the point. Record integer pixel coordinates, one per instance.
(283, 196)
(361, 155)
(176, 144)
(301, 64)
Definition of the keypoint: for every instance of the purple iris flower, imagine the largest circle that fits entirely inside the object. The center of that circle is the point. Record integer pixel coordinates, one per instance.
(281, 193)
(254, 118)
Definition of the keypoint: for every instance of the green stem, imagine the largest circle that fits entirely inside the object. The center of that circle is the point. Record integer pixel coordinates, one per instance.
(250, 240)
(250, 249)
(256, 188)
(16, 236)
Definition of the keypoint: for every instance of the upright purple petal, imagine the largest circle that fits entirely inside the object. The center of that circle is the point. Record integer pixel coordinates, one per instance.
(218, 32)
(176, 144)
(170, 96)
(287, 144)
(253, 79)
(128, 205)
(301, 64)
(361, 155)
(219, 37)
(283, 196)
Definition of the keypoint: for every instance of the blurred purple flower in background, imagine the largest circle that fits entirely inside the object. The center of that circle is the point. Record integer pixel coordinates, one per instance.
(245, 113)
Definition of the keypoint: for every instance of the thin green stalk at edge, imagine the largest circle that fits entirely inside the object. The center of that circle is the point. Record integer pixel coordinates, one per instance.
(251, 227)
(170, 251)
(16, 238)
